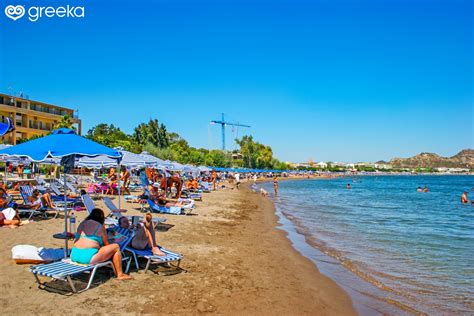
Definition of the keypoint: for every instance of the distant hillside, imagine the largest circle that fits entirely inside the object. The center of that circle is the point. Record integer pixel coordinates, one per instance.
(464, 159)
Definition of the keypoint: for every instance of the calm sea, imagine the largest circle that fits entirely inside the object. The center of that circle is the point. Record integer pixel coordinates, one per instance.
(395, 250)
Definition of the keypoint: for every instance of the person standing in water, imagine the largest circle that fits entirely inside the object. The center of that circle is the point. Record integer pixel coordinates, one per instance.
(348, 186)
(464, 199)
(425, 189)
(275, 185)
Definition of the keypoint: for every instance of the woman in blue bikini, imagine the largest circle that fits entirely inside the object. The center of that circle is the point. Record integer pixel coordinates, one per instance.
(91, 244)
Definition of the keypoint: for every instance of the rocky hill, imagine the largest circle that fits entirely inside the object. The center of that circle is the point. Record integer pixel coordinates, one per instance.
(464, 159)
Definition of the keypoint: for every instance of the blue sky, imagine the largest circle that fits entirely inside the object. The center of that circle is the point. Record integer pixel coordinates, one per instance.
(327, 80)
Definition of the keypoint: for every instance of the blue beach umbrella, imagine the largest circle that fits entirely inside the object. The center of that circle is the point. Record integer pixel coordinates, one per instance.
(60, 143)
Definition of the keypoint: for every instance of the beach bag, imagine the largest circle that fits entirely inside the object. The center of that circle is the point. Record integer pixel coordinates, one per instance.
(28, 254)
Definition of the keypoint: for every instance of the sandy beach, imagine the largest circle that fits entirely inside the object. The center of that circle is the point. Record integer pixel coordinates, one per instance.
(237, 262)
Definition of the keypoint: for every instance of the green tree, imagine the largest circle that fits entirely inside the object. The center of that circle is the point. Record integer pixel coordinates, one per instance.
(112, 136)
(152, 133)
(65, 122)
(256, 155)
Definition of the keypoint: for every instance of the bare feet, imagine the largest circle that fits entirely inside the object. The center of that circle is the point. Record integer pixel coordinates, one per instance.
(124, 277)
(157, 252)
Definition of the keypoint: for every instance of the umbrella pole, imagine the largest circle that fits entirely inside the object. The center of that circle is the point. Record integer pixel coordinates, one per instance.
(119, 189)
(65, 216)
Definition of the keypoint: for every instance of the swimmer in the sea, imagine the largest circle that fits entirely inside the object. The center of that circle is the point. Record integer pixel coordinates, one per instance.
(464, 199)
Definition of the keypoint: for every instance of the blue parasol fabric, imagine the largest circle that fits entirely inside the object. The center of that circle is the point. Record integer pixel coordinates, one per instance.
(60, 143)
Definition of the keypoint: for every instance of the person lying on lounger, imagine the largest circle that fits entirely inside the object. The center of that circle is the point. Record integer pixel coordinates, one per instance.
(145, 235)
(91, 245)
(161, 200)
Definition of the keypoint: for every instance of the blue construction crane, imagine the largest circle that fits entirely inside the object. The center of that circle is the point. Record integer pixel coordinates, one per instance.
(223, 124)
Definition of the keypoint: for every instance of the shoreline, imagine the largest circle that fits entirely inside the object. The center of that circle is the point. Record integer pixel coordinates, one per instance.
(369, 296)
(302, 242)
(238, 261)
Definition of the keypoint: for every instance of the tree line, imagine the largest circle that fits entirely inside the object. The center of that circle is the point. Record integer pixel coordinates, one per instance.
(154, 138)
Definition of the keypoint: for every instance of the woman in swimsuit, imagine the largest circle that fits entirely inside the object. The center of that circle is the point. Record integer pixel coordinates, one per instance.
(113, 179)
(145, 234)
(125, 177)
(91, 245)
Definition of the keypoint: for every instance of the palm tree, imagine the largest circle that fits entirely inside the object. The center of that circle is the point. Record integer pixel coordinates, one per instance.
(65, 122)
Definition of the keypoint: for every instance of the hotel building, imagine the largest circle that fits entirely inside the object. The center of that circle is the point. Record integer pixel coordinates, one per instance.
(32, 117)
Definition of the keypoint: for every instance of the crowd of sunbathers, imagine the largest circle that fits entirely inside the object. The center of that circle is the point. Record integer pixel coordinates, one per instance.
(93, 243)
(9, 214)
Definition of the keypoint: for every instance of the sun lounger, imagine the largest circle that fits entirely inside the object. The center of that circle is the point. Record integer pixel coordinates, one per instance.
(89, 205)
(69, 186)
(114, 211)
(176, 210)
(65, 269)
(31, 212)
(148, 254)
(25, 192)
(205, 187)
(191, 195)
(58, 196)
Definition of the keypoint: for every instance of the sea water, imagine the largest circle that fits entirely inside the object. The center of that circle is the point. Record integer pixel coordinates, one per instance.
(395, 250)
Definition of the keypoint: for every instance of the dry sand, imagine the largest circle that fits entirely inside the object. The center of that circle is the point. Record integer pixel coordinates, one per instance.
(237, 262)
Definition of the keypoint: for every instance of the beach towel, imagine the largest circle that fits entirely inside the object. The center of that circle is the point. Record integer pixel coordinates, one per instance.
(28, 254)
(9, 213)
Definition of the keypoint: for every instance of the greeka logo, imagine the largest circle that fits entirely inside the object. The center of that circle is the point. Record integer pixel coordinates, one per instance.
(16, 12)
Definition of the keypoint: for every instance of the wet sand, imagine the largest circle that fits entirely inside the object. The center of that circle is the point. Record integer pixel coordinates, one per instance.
(237, 262)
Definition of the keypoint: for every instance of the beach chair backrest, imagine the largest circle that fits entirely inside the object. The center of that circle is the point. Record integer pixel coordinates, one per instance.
(143, 180)
(28, 190)
(55, 189)
(111, 206)
(24, 196)
(40, 181)
(126, 232)
(88, 203)
(71, 188)
(153, 205)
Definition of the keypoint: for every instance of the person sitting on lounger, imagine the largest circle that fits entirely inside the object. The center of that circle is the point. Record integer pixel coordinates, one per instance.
(153, 189)
(36, 200)
(8, 214)
(174, 180)
(145, 235)
(91, 245)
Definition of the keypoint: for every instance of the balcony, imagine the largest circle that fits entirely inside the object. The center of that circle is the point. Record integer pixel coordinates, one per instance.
(43, 127)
